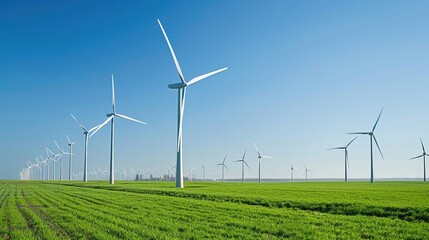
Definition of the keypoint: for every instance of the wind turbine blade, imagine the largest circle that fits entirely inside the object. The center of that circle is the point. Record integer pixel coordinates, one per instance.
(101, 125)
(224, 159)
(68, 139)
(423, 147)
(375, 125)
(244, 155)
(256, 148)
(417, 157)
(199, 78)
(335, 148)
(351, 141)
(131, 119)
(240, 160)
(179, 70)
(376, 143)
(226, 168)
(48, 150)
(92, 129)
(267, 157)
(246, 164)
(80, 124)
(359, 133)
(113, 93)
(57, 145)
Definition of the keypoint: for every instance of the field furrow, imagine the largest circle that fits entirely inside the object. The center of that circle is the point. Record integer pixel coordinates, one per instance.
(127, 211)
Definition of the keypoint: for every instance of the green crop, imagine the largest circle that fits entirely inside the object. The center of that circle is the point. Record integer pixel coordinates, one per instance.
(157, 210)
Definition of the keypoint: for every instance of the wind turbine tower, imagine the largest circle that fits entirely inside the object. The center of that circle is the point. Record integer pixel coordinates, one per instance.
(424, 159)
(70, 157)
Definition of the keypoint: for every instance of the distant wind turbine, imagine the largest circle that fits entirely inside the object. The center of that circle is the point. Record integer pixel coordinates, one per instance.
(242, 165)
(70, 157)
(223, 167)
(111, 119)
(260, 157)
(372, 136)
(204, 172)
(85, 156)
(424, 159)
(291, 171)
(60, 155)
(190, 174)
(53, 162)
(181, 87)
(346, 157)
(306, 173)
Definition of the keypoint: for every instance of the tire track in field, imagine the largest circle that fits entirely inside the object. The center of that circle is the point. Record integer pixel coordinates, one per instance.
(4, 230)
(36, 209)
(71, 205)
(29, 223)
(5, 194)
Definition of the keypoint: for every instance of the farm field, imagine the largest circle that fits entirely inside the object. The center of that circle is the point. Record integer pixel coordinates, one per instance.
(157, 210)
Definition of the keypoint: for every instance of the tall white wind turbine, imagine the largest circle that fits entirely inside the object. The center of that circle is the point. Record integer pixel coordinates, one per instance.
(60, 155)
(111, 119)
(346, 157)
(372, 136)
(223, 167)
(291, 171)
(306, 172)
(242, 165)
(85, 156)
(53, 161)
(204, 172)
(424, 154)
(70, 143)
(181, 87)
(260, 157)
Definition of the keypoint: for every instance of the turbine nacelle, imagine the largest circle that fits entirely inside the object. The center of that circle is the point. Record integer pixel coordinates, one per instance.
(177, 85)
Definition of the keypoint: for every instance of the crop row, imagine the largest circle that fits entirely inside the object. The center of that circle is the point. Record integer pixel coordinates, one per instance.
(56, 211)
(334, 205)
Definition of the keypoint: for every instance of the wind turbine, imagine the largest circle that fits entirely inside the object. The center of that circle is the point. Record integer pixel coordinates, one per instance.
(181, 87)
(372, 136)
(85, 156)
(70, 157)
(291, 171)
(53, 161)
(260, 157)
(60, 155)
(242, 165)
(190, 174)
(424, 159)
(111, 119)
(306, 172)
(204, 172)
(346, 157)
(223, 167)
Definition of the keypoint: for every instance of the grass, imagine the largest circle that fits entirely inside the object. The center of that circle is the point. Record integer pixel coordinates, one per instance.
(157, 210)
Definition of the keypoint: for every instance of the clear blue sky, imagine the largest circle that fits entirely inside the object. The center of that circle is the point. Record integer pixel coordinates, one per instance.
(301, 75)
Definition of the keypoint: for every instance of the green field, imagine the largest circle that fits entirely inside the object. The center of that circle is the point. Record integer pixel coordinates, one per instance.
(157, 210)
